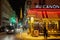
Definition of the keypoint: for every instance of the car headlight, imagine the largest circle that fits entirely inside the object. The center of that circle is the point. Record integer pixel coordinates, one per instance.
(7, 30)
(12, 30)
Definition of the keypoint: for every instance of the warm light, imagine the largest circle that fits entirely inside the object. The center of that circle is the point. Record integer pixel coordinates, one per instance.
(32, 19)
(48, 31)
(39, 13)
(54, 31)
(21, 13)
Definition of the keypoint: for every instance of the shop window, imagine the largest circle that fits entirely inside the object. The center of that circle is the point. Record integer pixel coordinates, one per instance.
(52, 26)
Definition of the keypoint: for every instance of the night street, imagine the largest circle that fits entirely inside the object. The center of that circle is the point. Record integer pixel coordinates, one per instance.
(29, 19)
(5, 36)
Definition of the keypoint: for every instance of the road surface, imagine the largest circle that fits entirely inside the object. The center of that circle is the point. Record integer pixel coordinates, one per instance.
(25, 36)
(7, 36)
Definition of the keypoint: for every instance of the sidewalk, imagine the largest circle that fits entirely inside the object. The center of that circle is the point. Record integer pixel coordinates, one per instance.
(25, 36)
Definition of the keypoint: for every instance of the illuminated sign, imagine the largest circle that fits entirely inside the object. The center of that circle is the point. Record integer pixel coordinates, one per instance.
(47, 6)
(43, 13)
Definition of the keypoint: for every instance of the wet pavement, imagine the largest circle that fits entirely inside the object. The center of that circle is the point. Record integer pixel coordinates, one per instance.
(7, 37)
(25, 36)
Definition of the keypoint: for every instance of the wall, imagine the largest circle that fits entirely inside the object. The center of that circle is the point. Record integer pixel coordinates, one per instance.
(52, 2)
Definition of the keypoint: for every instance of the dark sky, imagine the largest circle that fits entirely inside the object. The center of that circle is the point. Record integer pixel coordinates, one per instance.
(16, 5)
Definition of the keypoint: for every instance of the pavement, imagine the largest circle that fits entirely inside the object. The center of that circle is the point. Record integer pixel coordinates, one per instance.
(4, 36)
(25, 36)
(2, 33)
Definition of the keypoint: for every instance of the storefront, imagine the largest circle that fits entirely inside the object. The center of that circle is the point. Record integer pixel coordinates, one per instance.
(52, 25)
(40, 18)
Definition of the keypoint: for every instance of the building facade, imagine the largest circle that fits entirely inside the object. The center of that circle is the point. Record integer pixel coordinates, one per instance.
(0, 12)
(33, 3)
(6, 12)
(52, 2)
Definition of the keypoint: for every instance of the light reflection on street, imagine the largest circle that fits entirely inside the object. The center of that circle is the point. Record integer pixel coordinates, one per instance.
(7, 37)
(25, 36)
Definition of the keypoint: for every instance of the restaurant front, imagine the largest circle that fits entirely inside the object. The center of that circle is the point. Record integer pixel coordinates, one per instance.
(40, 18)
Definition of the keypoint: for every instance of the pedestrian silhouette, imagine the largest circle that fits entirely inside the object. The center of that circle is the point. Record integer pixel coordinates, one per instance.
(45, 33)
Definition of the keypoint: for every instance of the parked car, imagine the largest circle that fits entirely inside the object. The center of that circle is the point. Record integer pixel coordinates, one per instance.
(2, 29)
(10, 29)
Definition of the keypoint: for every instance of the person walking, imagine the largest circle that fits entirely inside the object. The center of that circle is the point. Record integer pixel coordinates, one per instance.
(45, 33)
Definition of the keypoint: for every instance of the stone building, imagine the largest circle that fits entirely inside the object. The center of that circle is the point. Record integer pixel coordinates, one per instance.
(6, 12)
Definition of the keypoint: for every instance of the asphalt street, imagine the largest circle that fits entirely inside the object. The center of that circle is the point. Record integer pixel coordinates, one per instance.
(4, 36)
(7, 36)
